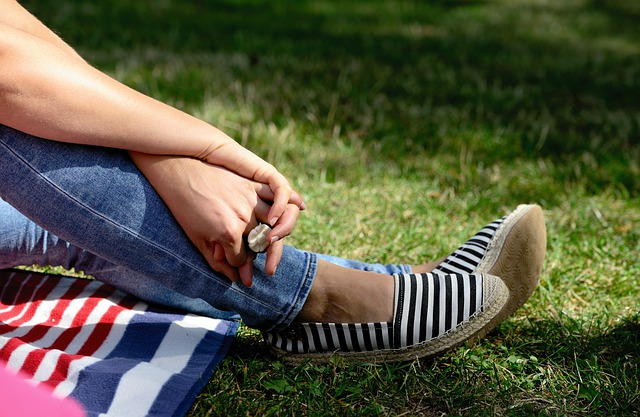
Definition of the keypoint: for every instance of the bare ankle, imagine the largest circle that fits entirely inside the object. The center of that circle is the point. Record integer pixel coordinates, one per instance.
(342, 295)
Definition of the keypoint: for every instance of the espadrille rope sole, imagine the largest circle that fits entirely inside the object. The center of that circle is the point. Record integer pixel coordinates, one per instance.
(433, 313)
(516, 254)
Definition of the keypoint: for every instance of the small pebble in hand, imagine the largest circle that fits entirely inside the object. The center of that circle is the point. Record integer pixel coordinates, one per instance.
(257, 238)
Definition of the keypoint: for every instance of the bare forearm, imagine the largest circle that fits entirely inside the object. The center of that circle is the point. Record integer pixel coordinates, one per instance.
(48, 92)
(16, 16)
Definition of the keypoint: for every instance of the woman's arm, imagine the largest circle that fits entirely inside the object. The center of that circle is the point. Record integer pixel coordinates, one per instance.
(48, 90)
(16, 16)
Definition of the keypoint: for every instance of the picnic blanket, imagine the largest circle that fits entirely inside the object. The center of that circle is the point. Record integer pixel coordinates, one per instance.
(114, 354)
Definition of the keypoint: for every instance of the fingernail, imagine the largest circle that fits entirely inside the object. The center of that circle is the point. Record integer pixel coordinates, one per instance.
(303, 206)
(275, 239)
(273, 221)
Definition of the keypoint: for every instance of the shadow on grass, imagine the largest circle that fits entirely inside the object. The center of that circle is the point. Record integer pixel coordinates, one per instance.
(596, 364)
(571, 338)
(519, 80)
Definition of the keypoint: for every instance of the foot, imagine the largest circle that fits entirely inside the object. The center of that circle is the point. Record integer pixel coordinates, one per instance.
(512, 248)
(432, 313)
(354, 316)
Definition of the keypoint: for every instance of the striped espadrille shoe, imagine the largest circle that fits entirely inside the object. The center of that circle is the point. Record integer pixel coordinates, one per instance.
(432, 313)
(512, 248)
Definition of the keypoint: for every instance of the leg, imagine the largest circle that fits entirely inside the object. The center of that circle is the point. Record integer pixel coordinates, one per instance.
(388, 269)
(512, 247)
(97, 200)
(430, 314)
(22, 242)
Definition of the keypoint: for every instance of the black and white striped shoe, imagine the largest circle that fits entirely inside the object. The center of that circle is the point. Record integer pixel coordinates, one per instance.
(512, 248)
(467, 257)
(432, 313)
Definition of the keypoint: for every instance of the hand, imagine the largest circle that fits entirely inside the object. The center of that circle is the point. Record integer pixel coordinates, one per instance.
(240, 160)
(216, 208)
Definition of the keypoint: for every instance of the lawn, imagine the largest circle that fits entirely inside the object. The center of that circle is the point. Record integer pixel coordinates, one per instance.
(408, 125)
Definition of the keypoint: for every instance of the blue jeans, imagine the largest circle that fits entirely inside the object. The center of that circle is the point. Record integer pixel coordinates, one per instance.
(89, 208)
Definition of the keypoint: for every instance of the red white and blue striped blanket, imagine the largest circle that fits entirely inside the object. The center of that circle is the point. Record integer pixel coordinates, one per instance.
(113, 353)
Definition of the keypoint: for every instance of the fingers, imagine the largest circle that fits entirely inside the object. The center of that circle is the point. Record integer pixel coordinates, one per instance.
(274, 255)
(283, 228)
(246, 271)
(232, 257)
(280, 201)
(247, 164)
(285, 224)
(260, 215)
(216, 258)
(274, 203)
(286, 221)
(283, 195)
(235, 248)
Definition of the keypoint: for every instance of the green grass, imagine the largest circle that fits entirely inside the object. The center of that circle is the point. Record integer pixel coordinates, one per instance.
(408, 125)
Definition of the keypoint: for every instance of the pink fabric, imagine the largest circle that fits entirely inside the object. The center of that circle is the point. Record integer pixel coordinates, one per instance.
(19, 398)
